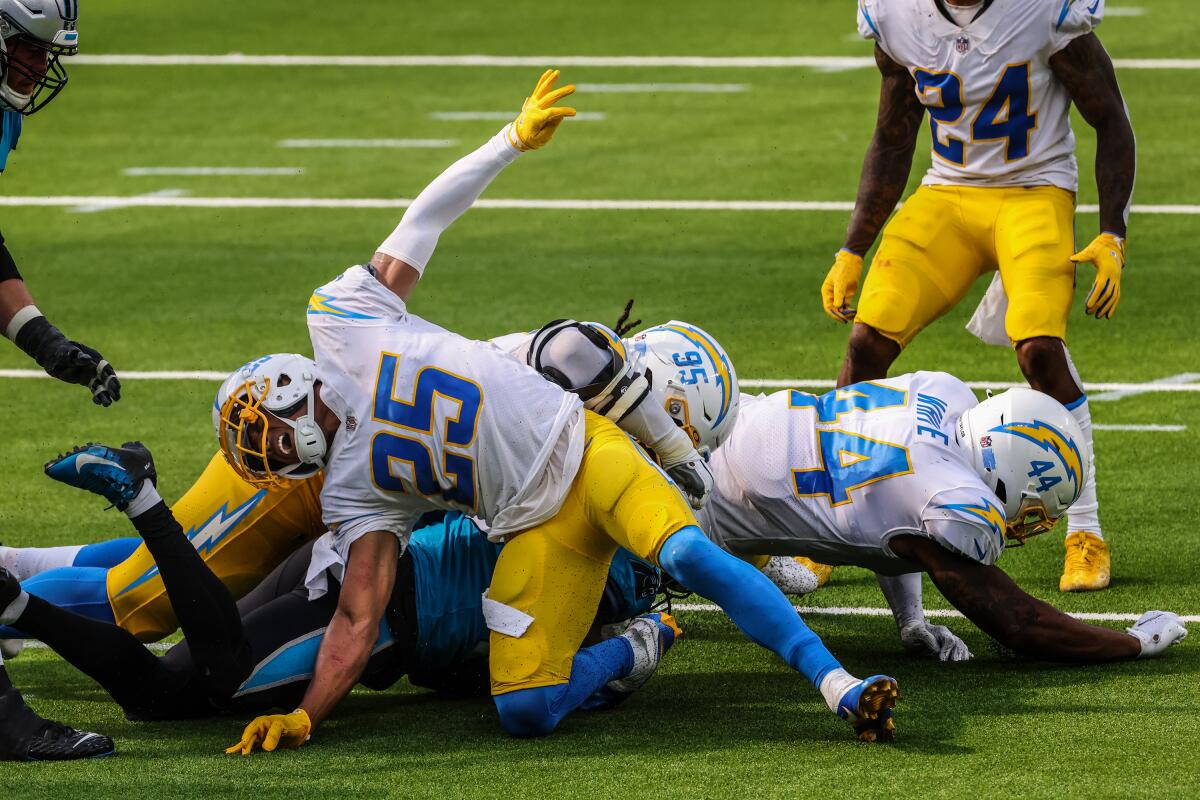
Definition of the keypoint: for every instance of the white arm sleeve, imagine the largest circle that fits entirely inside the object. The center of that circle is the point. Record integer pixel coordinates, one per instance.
(650, 423)
(445, 200)
(903, 593)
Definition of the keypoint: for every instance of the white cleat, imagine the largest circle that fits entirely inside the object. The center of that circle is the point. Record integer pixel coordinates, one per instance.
(650, 636)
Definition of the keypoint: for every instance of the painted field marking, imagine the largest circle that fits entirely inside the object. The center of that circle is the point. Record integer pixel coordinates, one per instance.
(155, 201)
(1142, 428)
(539, 62)
(372, 143)
(772, 383)
(1184, 377)
(36, 644)
(505, 116)
(656, 88)
(1125, 11)
(940, 613)
(109, 203)
(180, 171)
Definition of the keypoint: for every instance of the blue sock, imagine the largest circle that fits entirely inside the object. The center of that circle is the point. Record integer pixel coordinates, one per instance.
(749, 598)
(537, 711)
(83, 590)
(106, 554)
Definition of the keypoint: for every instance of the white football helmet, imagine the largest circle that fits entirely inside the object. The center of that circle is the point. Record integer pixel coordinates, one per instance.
(277, 385)
(48, 25)
(693, 377)
(1031, 452)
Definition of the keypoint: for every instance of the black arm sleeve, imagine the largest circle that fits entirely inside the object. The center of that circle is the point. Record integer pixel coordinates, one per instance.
(8, 267)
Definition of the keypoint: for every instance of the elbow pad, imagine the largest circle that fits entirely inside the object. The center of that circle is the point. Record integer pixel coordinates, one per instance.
(591, 363)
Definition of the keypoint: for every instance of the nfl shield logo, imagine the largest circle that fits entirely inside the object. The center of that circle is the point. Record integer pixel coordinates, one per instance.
(962, 44)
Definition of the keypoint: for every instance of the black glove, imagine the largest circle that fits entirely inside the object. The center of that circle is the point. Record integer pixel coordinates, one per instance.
(69, 361)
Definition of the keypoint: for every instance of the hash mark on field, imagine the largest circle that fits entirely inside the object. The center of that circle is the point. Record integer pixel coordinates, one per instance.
(142, 171)
(366, 143)
(655, 88)
(504, 116)
(110, 203)
(1185, 377)
(942, 613)
(538, 62)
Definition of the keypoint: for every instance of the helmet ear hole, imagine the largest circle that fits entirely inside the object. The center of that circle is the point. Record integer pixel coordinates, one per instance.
(1001, 491)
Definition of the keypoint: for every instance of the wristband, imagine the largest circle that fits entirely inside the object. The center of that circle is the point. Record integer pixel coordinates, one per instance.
(19, 319)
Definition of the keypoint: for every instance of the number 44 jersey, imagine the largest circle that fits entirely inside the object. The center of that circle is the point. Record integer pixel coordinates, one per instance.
(432, 420)
(998, 114)
(836, 476)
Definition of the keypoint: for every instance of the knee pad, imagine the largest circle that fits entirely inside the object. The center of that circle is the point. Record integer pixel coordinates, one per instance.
(526, 713)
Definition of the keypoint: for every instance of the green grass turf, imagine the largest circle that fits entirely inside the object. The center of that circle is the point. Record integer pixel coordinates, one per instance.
(205, 289)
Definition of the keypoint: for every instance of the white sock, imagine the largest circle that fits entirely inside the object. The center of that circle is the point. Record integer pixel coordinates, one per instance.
(13, 610)
(1084, 514)
(835, 684)
(25, 562)
(146, 499)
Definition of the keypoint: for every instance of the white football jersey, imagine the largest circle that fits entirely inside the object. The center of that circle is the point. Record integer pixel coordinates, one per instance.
(834, 477)
(998, 114)
(432, 420)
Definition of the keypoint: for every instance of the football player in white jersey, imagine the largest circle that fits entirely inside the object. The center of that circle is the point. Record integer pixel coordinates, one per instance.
(405, 417)
(911, 474)
(997, 80)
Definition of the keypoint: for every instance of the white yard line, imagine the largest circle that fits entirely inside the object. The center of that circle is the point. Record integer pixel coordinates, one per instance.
(369, 143)
(1184, 377)
(661, 88)
(1142, 428)
(505, 116)
(539, 62)
(155, 201)
(1125, 11)
(764, 383)
(843, 611)
(96, 204)
(189, 171)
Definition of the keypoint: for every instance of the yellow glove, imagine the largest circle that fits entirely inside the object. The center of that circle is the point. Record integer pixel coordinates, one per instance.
(539, 119)
(840, 285)
(270, 731)
(1107, 253)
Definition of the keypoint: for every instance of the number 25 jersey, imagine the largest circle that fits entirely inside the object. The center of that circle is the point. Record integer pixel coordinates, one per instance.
(998, 114)
(836, 476)
(433, 420)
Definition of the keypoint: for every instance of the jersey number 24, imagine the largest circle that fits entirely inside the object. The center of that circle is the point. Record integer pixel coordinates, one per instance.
(1005, 116)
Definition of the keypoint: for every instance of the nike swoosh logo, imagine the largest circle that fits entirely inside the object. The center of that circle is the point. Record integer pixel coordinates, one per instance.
(88, 458)
(86, 738)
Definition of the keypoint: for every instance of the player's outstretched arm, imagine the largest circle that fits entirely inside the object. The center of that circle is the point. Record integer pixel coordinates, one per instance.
(402, 257)
(1085, 69)
(990, 599)
(345, 648)
(884, 175)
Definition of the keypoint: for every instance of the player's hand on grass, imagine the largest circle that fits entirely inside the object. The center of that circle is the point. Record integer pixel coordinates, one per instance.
(934, 640)
(841, 284)
(274, 730)
(1107, 254)
(539, 117)
(1157, 630)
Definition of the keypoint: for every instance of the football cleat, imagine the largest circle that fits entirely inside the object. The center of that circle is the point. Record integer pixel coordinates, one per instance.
(868, 708)
(791, 576)
(650, 636)
(822, 571)
(1088, 564)
(116, 474)
(25, 736)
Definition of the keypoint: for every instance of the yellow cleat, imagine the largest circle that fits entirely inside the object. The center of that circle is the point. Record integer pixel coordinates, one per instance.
(1088, 565)
(822, 571)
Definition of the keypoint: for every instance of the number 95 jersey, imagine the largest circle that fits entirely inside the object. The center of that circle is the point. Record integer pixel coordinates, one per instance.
(999, 116)
(834, 477)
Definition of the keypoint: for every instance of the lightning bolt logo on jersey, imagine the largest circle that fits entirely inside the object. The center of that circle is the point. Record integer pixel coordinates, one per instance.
(835, 476)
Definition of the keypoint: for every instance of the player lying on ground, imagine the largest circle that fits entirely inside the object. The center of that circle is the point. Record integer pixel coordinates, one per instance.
(242, 531)
(260, 653)
(998, 80)
(457, 424)
(908, 475)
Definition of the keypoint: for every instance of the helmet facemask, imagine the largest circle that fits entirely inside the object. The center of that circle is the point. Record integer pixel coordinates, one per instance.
(244, 426)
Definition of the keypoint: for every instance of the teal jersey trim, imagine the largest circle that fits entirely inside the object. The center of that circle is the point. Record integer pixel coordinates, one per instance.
(10, 131)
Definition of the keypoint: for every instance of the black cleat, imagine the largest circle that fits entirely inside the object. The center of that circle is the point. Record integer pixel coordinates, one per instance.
(25, 736)
(114, 473)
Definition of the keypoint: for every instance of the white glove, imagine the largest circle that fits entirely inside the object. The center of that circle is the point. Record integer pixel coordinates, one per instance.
(1157, 630)
(934, 640)
(694, 479)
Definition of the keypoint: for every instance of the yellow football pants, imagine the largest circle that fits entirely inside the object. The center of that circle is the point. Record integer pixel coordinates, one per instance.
(556, 571)
(241, 532)
(944, 237)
